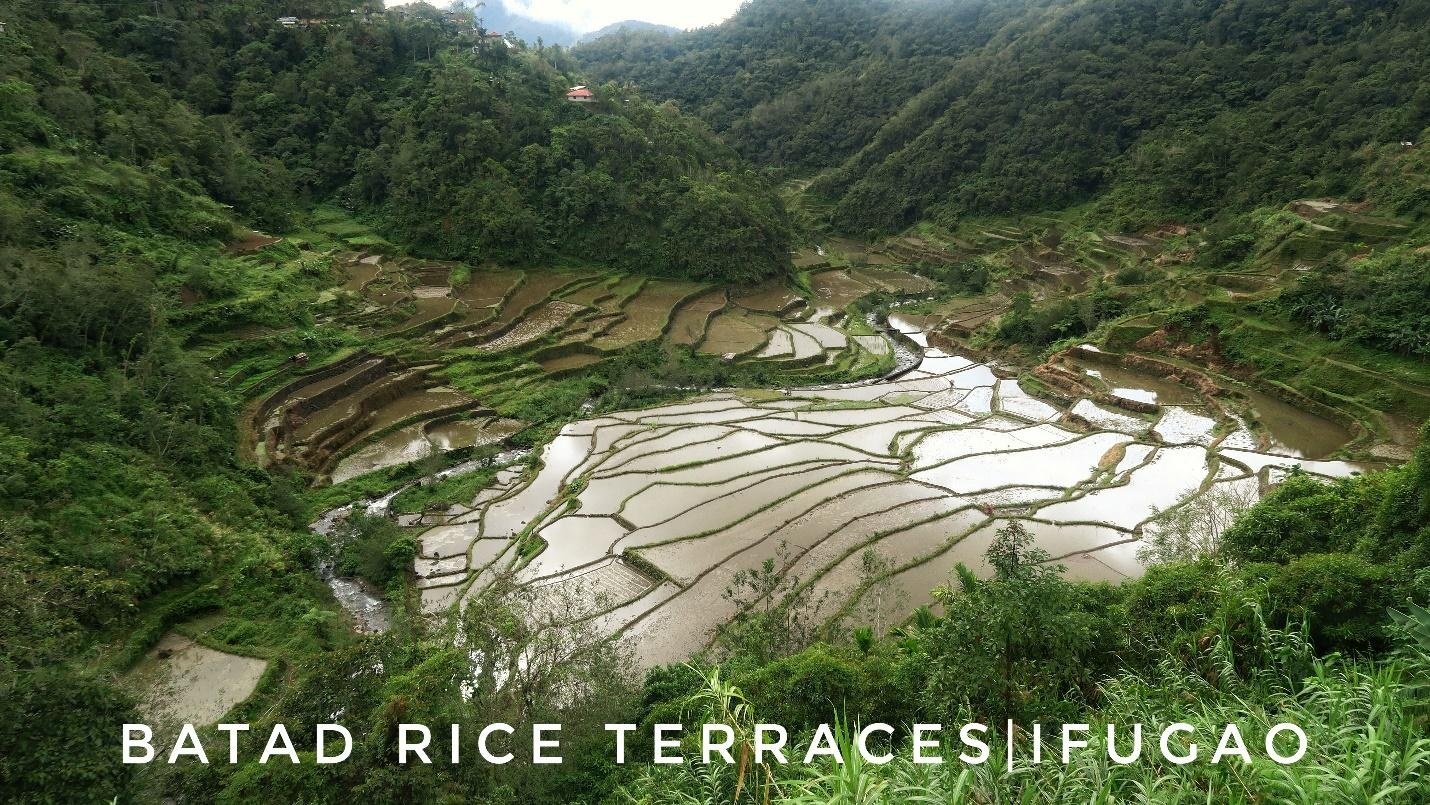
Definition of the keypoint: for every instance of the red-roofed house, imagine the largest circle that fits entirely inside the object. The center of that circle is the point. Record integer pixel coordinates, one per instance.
(581, 95)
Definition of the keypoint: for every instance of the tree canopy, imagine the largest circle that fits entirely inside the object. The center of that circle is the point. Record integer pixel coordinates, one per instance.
(910, 110)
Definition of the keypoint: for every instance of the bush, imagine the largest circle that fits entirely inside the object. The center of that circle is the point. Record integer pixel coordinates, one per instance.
(374, 548)
(58, 738)
(1343, 599)
(806, 689)
(1303, 515)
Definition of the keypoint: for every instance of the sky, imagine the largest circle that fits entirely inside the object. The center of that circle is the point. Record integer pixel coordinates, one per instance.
(588, 15)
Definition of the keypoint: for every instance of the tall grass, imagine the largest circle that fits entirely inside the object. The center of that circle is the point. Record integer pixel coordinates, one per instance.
(1364, 721)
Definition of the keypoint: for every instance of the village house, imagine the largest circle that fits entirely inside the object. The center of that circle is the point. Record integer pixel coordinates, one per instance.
(579, 94)
(288, 22)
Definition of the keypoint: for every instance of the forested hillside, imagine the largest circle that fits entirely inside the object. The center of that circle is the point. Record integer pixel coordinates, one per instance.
(217, 229)
(937, 109)
(136, 140)
(627, 25)
(457, 148)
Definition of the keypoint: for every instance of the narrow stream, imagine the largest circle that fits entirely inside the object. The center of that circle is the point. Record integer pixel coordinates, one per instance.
(362, 601)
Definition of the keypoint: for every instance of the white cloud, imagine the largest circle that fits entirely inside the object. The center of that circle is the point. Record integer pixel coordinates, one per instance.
(588, 15)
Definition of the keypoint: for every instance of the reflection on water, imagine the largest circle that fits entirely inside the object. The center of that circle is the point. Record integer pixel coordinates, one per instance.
(1295, 432)
(922, 469)
(1133, 385)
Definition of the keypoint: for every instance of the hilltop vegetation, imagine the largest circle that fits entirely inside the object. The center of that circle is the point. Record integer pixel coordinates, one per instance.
(936, 110)
(454, 153)
(135, 141)
(627, 25)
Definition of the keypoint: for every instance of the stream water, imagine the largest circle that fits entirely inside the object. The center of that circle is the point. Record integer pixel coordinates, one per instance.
(364, 604)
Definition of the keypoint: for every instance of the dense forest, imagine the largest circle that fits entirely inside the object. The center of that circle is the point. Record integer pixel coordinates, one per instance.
(938, 109)
(458, 145)
(135, 140)
(138, 138)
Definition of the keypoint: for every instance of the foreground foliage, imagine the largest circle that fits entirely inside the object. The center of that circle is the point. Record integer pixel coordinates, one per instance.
(1209, 641)
(1359, 717)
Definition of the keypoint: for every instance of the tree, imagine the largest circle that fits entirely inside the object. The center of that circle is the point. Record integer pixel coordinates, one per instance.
(775, 615)
(57, 738)
(1023, 644)
(1192, 529)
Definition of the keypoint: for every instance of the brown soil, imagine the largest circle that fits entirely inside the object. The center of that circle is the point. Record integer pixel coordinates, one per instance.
(251, 242)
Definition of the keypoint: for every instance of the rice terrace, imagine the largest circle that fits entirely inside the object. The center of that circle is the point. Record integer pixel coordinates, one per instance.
(889, 452)
(516, 402)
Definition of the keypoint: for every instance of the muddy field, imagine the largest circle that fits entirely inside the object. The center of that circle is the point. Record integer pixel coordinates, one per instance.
(185, 682)
(368, 411)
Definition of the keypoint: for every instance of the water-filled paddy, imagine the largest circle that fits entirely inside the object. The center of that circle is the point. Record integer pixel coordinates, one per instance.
(535, 289)
(359, 275)
(837, 289)
(769, 298)
(1139, 386)
(920, 469)
(689, 323)
(186, 682)
(736, 332)
(1295, 432)
(814, 478)
(646, 314)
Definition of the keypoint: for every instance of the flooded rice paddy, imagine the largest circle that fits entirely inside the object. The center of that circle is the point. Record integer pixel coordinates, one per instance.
(688, 326)
(1296, 432)
(660, 507)
(867, 494)
(189, 683)
(368, 412)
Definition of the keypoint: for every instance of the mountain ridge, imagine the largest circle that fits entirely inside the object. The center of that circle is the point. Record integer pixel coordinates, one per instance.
(626, 25)
(939, 109)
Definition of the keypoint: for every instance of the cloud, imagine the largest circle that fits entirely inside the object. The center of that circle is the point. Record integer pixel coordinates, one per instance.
(588, 15)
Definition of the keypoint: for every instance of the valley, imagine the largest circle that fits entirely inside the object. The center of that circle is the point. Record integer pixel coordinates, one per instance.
(885, 440)
(849, 362)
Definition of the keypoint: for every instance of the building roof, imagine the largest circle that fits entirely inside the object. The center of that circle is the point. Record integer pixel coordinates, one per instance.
(580, 92)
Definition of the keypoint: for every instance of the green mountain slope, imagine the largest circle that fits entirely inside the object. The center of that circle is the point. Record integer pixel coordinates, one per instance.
(458, 148)
(938, 109)
(627, 25)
